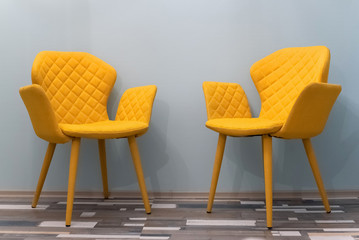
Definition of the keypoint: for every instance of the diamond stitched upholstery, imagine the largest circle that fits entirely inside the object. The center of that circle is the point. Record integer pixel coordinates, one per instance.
(136, 104)
(281, 76)
(225, 100)
(77, 84)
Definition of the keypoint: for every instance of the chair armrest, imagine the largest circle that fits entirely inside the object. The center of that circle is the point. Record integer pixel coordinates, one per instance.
(41, 114)
(225, 100)
(136, 104)
(310, 112)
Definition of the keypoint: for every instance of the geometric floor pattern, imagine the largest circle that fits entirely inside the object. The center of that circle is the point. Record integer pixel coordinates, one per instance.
(178, 219)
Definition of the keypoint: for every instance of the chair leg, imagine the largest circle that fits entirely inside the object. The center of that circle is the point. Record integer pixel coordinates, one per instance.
(315, 169)
(45, 167)
(267, 160)
(216, 169)
(74, 159)
(138, 167)
(102, 152)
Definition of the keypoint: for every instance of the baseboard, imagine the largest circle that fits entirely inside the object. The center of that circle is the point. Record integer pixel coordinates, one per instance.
(185, 195)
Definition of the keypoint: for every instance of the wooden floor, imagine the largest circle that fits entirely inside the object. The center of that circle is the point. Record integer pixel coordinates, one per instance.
(120, 218)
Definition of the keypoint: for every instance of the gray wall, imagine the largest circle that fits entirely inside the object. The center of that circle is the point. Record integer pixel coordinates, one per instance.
(177, 45)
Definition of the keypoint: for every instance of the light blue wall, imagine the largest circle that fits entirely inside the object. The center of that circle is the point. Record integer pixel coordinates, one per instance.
(177, 45)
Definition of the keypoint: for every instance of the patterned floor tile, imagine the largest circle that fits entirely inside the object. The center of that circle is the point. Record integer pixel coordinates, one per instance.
(120, 218)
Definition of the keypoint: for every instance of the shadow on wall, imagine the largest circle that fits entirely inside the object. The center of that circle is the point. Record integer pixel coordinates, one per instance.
(291, 169)
(338, 146)
(59, 163)
(246, 154)
(152, 147)
(331, 150)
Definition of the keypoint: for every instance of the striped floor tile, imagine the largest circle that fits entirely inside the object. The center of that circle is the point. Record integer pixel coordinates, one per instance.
(185, 219)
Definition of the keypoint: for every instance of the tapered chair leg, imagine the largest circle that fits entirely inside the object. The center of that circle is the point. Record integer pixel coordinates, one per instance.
(315, 169)
(267, 162)
(216, 169)
(74, 159)
(45, 167)
(102, 152)
(138, 167)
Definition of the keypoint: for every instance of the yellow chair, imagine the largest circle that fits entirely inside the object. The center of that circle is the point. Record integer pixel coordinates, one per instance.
(68, 101)
(296, 102)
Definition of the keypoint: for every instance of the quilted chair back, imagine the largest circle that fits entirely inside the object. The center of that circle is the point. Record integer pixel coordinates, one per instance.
(281, 77)
(77, 84)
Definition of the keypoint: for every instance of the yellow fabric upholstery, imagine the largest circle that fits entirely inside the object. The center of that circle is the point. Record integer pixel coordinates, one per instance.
(136, 104)
(76, 83)
(310, 111)
(105, 129)
(225, 100)
(41, 114)
(74, 88)
(296, 102)
(68, 101)
(240, 127)
(281, 77)
(132, 118)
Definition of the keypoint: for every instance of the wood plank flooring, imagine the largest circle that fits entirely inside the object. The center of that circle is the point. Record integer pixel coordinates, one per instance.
(177, 219)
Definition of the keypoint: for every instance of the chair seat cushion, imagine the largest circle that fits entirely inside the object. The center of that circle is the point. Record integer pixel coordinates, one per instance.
(239, 127)
(105, 129)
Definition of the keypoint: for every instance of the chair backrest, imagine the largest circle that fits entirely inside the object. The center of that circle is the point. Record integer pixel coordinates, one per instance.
(281, 77)
(77, 84)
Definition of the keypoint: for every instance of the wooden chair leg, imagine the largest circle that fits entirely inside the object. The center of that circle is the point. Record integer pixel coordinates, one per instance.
(315, 169)
(138, 167)
(45, 167)
(74, 159)
(102, 153)
(216, 169)
(267, 160)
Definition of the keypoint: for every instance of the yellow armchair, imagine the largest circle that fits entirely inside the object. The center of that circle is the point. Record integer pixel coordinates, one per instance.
(296, 102)
(68, 101)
